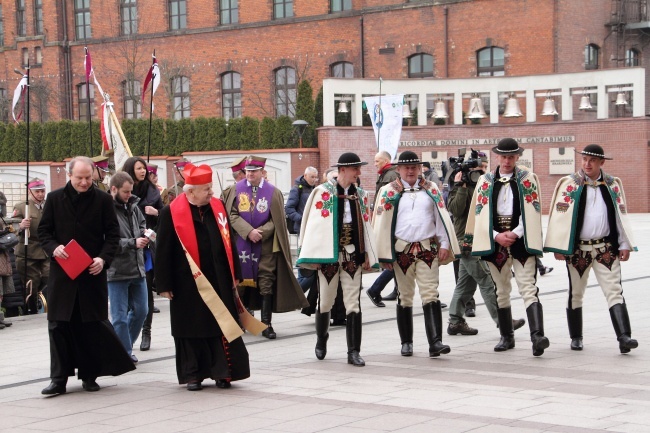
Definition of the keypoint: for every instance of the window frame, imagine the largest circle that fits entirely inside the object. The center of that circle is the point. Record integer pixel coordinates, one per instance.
(177, 21)
(38, 17)
(232, 8)
(421, 74)
(38, 56)
(21, 18)
(24, 57)
(344, 69)
(233, 110)
(83, 30)
(128, 24)
(83, 101)
(632, 58)
(2, 28)
(492, 70)
(340, 5)
(285, 104)
(5, 105)
(286, 6)
(182, 97)
(132, 109)
(592, 56)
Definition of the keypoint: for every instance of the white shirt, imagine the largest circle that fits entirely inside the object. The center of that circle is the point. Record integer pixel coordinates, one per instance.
(505, 203)
(418, 218)
(347, 212)
(594, 223)
(259, 186)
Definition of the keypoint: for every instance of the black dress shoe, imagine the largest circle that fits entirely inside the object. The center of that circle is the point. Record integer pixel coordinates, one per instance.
(156, 309)
(407, 349)
(145, 344)
(470, 312)
(391, 296)
(90, 385)
(443, 305)
(269, 333)
(194, 386)
(53, 389)
(576, 343)
(355, 359)
(376, 300)
(223, 383)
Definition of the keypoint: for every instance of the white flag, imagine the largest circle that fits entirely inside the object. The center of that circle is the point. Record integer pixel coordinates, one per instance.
(386, 116)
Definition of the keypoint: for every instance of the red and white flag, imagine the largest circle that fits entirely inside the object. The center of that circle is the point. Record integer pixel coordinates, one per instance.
(153, 76)
(19, 93)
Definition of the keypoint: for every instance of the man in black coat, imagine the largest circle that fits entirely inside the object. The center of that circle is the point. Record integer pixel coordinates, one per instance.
(80, 334)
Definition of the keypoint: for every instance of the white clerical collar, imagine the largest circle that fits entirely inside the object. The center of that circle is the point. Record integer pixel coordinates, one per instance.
(259, 186)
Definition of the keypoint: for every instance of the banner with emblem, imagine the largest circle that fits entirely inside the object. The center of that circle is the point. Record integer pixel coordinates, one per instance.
(386, 116)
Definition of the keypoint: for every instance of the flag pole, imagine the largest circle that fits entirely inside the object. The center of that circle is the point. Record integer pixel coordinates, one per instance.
(380, 112)
(90, 120)
(153, 78)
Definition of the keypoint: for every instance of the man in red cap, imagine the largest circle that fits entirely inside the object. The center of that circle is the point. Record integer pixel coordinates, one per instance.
(169, 194)
(32, 256)
(238, 173)
(100, 171)
(257, 215)
(588, 228)
(197, 270)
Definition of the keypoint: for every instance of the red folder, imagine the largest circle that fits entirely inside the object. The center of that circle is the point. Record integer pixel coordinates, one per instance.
(78, 260)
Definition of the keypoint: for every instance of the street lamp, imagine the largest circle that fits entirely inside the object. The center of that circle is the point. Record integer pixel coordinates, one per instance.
(300, 126)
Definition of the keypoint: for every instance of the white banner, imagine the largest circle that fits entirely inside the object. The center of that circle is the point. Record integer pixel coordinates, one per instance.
(386, 116)
(113, 137)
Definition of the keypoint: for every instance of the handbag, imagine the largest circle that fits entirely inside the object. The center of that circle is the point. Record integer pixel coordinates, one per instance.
(8, 238)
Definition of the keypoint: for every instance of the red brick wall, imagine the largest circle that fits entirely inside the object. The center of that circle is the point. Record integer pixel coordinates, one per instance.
(624, 139)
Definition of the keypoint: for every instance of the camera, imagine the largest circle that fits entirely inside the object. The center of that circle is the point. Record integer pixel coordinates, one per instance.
(465, 165)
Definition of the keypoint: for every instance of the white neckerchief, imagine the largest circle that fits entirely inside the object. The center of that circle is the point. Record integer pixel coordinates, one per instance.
(347, 211)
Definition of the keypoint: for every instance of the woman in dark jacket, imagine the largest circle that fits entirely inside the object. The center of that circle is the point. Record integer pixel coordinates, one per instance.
(150, 204)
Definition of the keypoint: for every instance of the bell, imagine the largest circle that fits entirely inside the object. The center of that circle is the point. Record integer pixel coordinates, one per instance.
(584, 103)
(512, 108)
(440, 111)
(549, 108)
(343, 107)
(476, 110)
(621, 99)
(406, 112)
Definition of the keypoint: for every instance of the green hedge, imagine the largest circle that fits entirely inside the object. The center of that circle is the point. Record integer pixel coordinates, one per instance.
(55, 141)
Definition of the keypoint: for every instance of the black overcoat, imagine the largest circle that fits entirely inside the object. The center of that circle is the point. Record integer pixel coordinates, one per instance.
(90, 219)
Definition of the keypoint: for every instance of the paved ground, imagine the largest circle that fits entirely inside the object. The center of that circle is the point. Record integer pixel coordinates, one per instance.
(473, 389)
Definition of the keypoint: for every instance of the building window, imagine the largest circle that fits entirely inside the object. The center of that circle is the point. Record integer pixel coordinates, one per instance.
(129, 12)
(25, 57)
(21, 18)
(490, 62)
(282, 8)
(4, 105)
(2, 28)
(177, 14)
(285, 91)
(342, 70)
(340, 5)
(631, 58)
(231, 95)
(38, 54)
(181, 89)
(83, 100)
(38, 17)
(131, 95)
(229, 11)
(421, 66)
(591, 56)
(82, 19)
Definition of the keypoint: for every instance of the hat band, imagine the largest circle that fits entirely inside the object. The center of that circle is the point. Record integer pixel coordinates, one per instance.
(509, 151)
(36, 185)
(599, 155)
(349, 163)
(404, 161)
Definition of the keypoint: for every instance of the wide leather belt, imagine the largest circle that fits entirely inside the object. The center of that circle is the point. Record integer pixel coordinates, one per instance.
(346, 235)
(592, 241)
(503, 223)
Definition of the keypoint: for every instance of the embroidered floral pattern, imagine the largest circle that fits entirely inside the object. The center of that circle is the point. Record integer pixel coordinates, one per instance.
(364, 208)
(350, 266)
(325, 204)
(404, 261)
(606, 256)
(483, 196)
(466, 243)
(437, 198)
(329, 270)
(529, 191)
(569, 196)
(428, 256)
(501, 257)
(388, 199)
(581, 261)
(616, 194)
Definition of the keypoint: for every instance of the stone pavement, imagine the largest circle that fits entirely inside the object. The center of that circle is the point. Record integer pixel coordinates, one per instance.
(473, 389)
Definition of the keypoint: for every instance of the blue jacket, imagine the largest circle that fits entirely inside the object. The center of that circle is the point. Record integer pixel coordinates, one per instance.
(297, 200)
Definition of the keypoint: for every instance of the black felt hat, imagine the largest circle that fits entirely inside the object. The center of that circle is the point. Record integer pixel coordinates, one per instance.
(349, 159)
(594, 150)
(408, 158)
(508, 146)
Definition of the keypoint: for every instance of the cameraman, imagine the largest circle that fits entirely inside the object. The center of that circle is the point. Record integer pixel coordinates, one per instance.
(471, 269)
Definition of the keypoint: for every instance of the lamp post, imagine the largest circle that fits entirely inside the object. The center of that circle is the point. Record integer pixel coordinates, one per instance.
(300, 126)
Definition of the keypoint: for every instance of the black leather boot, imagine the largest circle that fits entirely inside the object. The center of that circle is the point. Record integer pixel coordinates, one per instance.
(353, 334)
(267, 312)
(405, 328)
(574, 319)
(433, 326)
(322, 334)
(506, 330)
(622, 327)
(145, 342)
(536, 325)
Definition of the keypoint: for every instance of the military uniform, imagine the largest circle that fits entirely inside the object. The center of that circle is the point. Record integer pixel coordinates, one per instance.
(169, 194)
